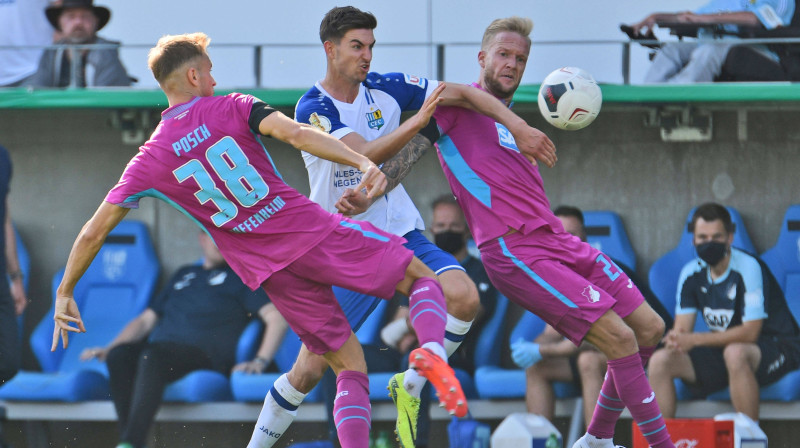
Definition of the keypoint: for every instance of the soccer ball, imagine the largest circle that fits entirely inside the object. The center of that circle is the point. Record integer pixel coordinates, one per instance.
(570, 98)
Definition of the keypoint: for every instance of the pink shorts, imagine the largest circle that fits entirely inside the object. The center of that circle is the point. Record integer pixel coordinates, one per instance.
(566, 282)
(355, 256)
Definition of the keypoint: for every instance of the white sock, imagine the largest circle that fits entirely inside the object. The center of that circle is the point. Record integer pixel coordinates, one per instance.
(277, 414)
(414, 382)
(437, 349)
(458, 328)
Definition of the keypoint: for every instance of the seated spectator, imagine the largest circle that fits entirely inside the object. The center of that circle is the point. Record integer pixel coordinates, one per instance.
(551, 357)
(193, 324)
(78, 22)
(754, 340)
(26, 32)
(699, 61)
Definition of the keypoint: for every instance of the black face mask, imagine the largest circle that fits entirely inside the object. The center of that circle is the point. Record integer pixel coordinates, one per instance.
(712, 252)
(448, 241)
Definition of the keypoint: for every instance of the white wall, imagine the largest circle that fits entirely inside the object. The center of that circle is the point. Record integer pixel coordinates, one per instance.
(285, 23)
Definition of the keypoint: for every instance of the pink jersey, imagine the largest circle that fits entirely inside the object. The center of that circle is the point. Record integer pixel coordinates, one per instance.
(496, 186)
(204, 160)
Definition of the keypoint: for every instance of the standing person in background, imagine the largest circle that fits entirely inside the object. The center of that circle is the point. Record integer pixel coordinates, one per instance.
(12, 297)
(23, 25)
(78, 22)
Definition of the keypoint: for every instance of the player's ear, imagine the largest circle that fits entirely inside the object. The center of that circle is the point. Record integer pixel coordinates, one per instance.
(482, 58)
(330, 47)
(191, 76)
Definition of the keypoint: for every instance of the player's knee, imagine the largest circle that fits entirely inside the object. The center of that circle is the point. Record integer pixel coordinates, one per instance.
(653, 332)
(659, 363)
(461, 294)
(306, 373)
(737, 356)
(591, 364)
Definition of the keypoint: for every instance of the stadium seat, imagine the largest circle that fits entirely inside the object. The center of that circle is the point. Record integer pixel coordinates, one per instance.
(248, 387)
(24, 266)
(497, 382)
(605, 232)
(665, 271)
(115, 288)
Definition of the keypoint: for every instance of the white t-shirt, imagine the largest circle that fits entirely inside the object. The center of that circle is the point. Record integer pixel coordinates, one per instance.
(23, 23)
(375, 112)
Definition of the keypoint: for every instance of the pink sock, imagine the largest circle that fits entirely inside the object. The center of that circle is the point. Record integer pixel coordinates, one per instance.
(427, 310)
(351, 409)
(609, 406)
(635, 392)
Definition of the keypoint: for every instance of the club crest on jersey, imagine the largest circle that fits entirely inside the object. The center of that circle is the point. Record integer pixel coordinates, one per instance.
(505, 138)
(375, 119)
(591, 294)
(322, 123)
(416, 81)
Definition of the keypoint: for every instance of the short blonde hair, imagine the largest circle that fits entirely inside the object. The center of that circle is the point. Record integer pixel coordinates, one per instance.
(171, 52)
(520, 25)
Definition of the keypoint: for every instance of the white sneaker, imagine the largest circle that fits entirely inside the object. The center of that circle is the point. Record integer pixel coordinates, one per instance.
(590, 441)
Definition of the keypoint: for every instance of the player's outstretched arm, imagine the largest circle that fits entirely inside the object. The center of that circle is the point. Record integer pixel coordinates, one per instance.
(307, 138)
(387, 146)
(85, 248)
(531, 142)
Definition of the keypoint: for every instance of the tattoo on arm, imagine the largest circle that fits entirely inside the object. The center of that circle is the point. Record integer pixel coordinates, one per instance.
(399, 166)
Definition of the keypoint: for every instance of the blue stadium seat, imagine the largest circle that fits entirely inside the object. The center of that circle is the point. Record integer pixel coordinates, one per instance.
(498, 382)
(605, 232)
(246, 387)
(492, 380)
(664, 273)
(115, 288)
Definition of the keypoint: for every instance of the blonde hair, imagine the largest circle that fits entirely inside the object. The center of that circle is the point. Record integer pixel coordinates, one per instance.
(171, 52)
(520, 25)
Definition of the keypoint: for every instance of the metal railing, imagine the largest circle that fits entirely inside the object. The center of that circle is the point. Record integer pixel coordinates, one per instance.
(436, 54)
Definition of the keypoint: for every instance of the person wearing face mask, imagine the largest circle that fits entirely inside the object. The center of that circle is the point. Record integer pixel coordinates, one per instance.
(754, 340)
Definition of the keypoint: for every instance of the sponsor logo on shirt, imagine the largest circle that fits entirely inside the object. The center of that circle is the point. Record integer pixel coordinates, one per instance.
(717, 320)
(375, 119)
(415, 81)
(217, 278)
(184, 282)
(320, 122)
(505, 138)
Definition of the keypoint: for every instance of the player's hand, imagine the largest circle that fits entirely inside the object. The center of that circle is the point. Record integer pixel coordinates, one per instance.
(99, 353)
(535, 145)
(66, 312)
(647, 24)
(352, 202)
(424, 114)
(257, 365)
(373, 180)
(18, 294)
(679, 340)
(525, 354)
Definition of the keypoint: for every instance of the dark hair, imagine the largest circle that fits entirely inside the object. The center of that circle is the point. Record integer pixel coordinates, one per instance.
(568, 210)
(711, 211)
(445, 199)
(342, 19)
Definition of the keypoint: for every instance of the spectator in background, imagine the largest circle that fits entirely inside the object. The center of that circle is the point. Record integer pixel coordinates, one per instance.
(78, 21)
(12, 297)
(551, 357)
(23, 25)
(193, 324)
(754, 340)
(688, 62)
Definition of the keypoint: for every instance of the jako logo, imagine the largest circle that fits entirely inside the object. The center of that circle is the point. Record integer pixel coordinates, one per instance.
(423, 289)
(686, 443)
(341, 394)
(650, 398)
(269, 433)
